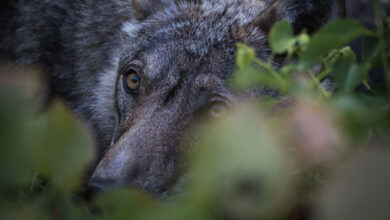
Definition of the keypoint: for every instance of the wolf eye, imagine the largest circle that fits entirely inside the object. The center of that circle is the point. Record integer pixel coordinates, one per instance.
(131, 81)
(218, 110)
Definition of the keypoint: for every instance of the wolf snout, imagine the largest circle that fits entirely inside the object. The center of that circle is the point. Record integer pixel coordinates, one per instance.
(96, 186)
(154, 172)
(93, 188)
(149, 182)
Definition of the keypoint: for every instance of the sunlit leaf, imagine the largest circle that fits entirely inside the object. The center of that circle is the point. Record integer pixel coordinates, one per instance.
(245, 55)
(303, 41)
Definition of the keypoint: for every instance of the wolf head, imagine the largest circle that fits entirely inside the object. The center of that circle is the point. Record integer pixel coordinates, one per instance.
(174, 64)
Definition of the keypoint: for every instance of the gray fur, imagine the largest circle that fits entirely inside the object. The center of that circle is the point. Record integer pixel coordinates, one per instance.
(185, 51)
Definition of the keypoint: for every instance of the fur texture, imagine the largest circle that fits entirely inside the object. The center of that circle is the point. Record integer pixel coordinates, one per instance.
(183, 50)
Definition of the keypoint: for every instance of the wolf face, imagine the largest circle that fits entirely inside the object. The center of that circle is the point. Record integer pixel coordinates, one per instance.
(141, 73)
(174, 73)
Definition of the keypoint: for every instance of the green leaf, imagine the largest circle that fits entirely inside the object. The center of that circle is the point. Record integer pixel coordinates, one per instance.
(281, 37)
(354, 118)
(333, 35)
(239, 154)
(255, 76)
(33, 211)
(348, 53)
(336, 55)
(246, 77)
(16, 159)
(64, 149)
(303, 40)
(245, 55)
(348, 75)
(128, 204)
(371, 50)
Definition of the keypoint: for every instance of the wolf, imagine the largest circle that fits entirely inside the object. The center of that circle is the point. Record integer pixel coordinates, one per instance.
(141, 73)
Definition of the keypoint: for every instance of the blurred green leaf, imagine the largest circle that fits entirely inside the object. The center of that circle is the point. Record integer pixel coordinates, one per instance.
(332, 36)
(16, 159)
(253, 76)
(348, 53)
(128, 204)
(348, 75)
(303, 41)
(252, 72)
(354, 118)
(63, 150)
(12, 211)
(281, 37)
(241, 171)
(245, 55)
(335, 55)
(371, 50)
(247, 77)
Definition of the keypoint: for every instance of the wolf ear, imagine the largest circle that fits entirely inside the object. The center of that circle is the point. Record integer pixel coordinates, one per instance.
(145, 8)
(302, 14)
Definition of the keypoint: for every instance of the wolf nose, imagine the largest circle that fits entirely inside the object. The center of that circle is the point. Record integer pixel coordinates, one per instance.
(93, 188)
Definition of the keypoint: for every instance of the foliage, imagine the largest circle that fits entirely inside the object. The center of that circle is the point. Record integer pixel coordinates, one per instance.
(262, 162)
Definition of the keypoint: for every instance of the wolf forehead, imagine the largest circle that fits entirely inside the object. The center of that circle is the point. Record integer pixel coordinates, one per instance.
(185, 30)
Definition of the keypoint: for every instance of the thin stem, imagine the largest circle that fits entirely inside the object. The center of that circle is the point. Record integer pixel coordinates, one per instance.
(290, 55)
(318, 84)
(365, 83)
(323, 74)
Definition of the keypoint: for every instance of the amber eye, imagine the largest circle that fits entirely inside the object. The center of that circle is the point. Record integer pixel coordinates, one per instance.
(131, 81)
(218, 110)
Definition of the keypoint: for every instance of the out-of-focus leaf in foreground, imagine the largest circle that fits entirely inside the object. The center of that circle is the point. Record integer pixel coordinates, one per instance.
(16, 161)
(128, 204)
(245, 55)
(333, 35)
(63, 149)
(241, 170)
(348, 75)
(282, 37)
(371, 50)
